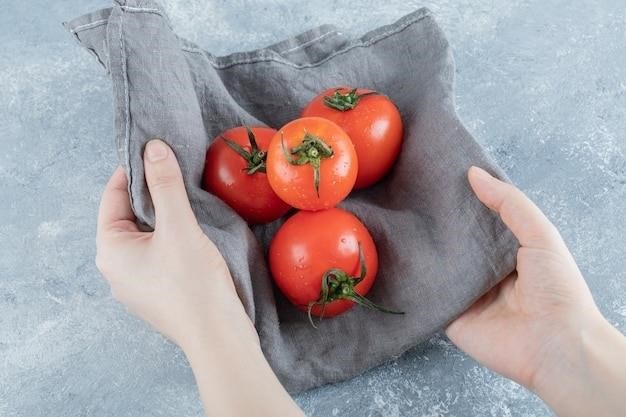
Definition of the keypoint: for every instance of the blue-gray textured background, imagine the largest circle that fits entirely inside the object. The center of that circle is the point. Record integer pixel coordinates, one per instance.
(540, 84)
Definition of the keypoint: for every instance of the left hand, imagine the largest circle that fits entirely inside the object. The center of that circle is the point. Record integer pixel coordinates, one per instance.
(174, 278)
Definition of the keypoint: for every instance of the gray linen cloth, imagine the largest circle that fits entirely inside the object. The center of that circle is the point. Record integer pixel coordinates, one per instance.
(439, 247)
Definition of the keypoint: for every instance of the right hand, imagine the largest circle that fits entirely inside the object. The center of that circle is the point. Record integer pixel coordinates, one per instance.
(533, 327)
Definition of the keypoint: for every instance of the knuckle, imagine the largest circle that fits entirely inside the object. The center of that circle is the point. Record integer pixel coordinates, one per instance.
(165, 181)
(552, 229)
(512, 194)
(555, 236)
(116, 293)
(508, 204)
(101, 264)
(536, 238)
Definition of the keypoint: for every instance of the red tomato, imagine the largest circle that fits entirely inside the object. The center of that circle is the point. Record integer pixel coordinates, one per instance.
(311, 163)
(371, 120)
(327, 248)
(235, 172)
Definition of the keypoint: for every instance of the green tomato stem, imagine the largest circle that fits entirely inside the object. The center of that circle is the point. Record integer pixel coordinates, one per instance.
(312, 150)
(255, 158)
(345, 101)
(338, 285)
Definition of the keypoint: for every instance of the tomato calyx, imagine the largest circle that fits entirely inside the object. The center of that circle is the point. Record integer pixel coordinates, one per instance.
(311, 151)
(345, 101)
(255, 158)
(338, 285)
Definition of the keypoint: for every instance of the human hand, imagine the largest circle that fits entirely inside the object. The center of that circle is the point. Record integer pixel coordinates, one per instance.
(540, 325)
(174, 278)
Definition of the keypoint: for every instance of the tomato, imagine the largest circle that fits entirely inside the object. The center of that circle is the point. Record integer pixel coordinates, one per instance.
(371, 120)
(328, 249)
(311, 163)
(235, 172)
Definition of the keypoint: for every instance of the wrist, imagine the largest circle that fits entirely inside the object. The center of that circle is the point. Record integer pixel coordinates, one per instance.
(210, 321)
(233, 376)
(216, 334)
(582, 368)
(567, 356)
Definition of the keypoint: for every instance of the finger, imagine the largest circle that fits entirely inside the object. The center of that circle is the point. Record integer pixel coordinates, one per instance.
(492, 304)
(165, 182)
(115, 210)
(529, 225)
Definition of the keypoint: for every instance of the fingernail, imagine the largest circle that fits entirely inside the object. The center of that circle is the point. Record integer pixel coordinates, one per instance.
(156, 150)
(481, 174)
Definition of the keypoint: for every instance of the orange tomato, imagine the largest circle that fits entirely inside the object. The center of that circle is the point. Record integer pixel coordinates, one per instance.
(311, 164)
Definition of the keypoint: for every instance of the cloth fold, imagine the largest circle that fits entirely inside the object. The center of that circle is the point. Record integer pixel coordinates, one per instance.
(439, 247)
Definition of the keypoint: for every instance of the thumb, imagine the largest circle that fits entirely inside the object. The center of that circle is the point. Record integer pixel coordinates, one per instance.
(165, 182)
(529, 225)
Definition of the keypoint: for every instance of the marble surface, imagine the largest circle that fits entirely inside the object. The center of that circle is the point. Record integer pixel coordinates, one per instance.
(541, 84)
